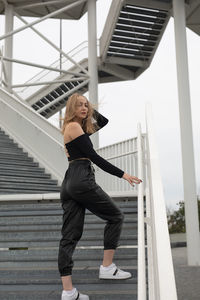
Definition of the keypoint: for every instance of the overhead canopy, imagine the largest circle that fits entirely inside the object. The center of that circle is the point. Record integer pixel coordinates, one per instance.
(38, 8)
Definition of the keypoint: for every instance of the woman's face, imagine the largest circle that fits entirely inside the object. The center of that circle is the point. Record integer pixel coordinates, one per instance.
(81, 107)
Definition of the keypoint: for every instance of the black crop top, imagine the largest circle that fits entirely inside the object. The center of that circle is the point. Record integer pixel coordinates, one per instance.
(83, 147)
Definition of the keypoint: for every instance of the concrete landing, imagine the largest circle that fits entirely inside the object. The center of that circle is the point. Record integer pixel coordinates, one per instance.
(187, 278)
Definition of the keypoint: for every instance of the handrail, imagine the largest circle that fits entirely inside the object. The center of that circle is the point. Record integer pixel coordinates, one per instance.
(163, 271)
(65, 65)
(54, 64)
(141, 237)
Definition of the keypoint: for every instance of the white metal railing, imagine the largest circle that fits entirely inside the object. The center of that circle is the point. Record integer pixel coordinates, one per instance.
(161, 279)
(141, 287)
(124, 156)
(78, 53)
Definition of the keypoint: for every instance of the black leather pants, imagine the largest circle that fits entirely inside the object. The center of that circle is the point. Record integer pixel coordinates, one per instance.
(78, 192)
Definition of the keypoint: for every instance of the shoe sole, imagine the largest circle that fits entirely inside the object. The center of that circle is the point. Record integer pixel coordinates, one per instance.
(115, 278)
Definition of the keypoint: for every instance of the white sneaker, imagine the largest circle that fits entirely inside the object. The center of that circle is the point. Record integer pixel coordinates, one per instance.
(113, 273)
(76, 296)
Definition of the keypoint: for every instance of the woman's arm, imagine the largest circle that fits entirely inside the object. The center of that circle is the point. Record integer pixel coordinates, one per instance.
(86, 147)
(83, 142)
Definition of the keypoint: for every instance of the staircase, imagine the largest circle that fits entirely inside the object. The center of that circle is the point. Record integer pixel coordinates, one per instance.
(19, 173)
(29, 240)
(131, 36)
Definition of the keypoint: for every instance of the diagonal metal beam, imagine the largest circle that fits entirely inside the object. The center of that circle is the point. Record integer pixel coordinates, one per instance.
(42, 19)
(48, 82)
(52, 44)
(39, 4)
(40, 66)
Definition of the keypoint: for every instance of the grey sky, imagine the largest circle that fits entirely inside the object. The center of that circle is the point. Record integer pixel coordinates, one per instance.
(124, 102)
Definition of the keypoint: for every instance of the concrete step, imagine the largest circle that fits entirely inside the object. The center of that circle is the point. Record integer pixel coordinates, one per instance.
(55, 221)
(20, 167)
(29, 186)
(18, 157)
(5, 139)
(100, 291)
(23, 174)
(45, 213)
(54, 206)
(11, 158)
(54, 227)
(18, 162)
(52, 276)
(17, 152)
(10, 146)
(24, 191)
(22, 170)
(40, 235)
(81, 275)
(51, 254)
(24, 241)
(14, 179)
(48, 212)
(84, 261)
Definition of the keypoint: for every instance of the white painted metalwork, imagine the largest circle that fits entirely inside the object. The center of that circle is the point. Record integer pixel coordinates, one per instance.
(9, 17)
(50, 15)
(92, 59)
(47, 82)
(150, 265)
(25, 6)
(141, 287)
(79, 52)
(124, 156)
(53, 45)
(18, 61)
(163, 286)
(185, 116)
(1, 66)
(8, 36)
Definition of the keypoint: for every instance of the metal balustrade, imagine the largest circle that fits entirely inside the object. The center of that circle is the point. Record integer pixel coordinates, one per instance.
(124, 156)
(78, 53)
(161, 283)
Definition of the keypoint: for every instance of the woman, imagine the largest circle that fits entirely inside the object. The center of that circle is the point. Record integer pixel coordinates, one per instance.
(79, 191)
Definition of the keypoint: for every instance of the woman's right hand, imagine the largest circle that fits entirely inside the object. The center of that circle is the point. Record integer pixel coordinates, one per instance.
(131, 179)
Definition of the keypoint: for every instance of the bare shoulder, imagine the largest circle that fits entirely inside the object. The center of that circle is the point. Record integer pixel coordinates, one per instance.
(72, 131)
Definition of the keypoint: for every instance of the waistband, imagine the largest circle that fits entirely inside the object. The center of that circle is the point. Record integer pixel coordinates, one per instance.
(81, 158)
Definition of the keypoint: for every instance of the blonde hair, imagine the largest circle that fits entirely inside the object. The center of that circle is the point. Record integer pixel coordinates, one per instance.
(70, 113)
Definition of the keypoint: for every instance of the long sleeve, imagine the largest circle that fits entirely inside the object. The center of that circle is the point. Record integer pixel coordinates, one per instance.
(85, 146)
(101, 121)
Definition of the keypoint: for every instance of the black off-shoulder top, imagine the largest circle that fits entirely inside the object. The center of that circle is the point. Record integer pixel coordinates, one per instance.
(83, 147)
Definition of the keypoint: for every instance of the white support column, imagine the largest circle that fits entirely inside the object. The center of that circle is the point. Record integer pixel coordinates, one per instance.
(9, 17)
(92, 60)
(190, 194)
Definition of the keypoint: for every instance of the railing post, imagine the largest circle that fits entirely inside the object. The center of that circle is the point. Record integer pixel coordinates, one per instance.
(188, 164)
(9, 17)
(165, 286)
(92, 60)
(141, 236)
